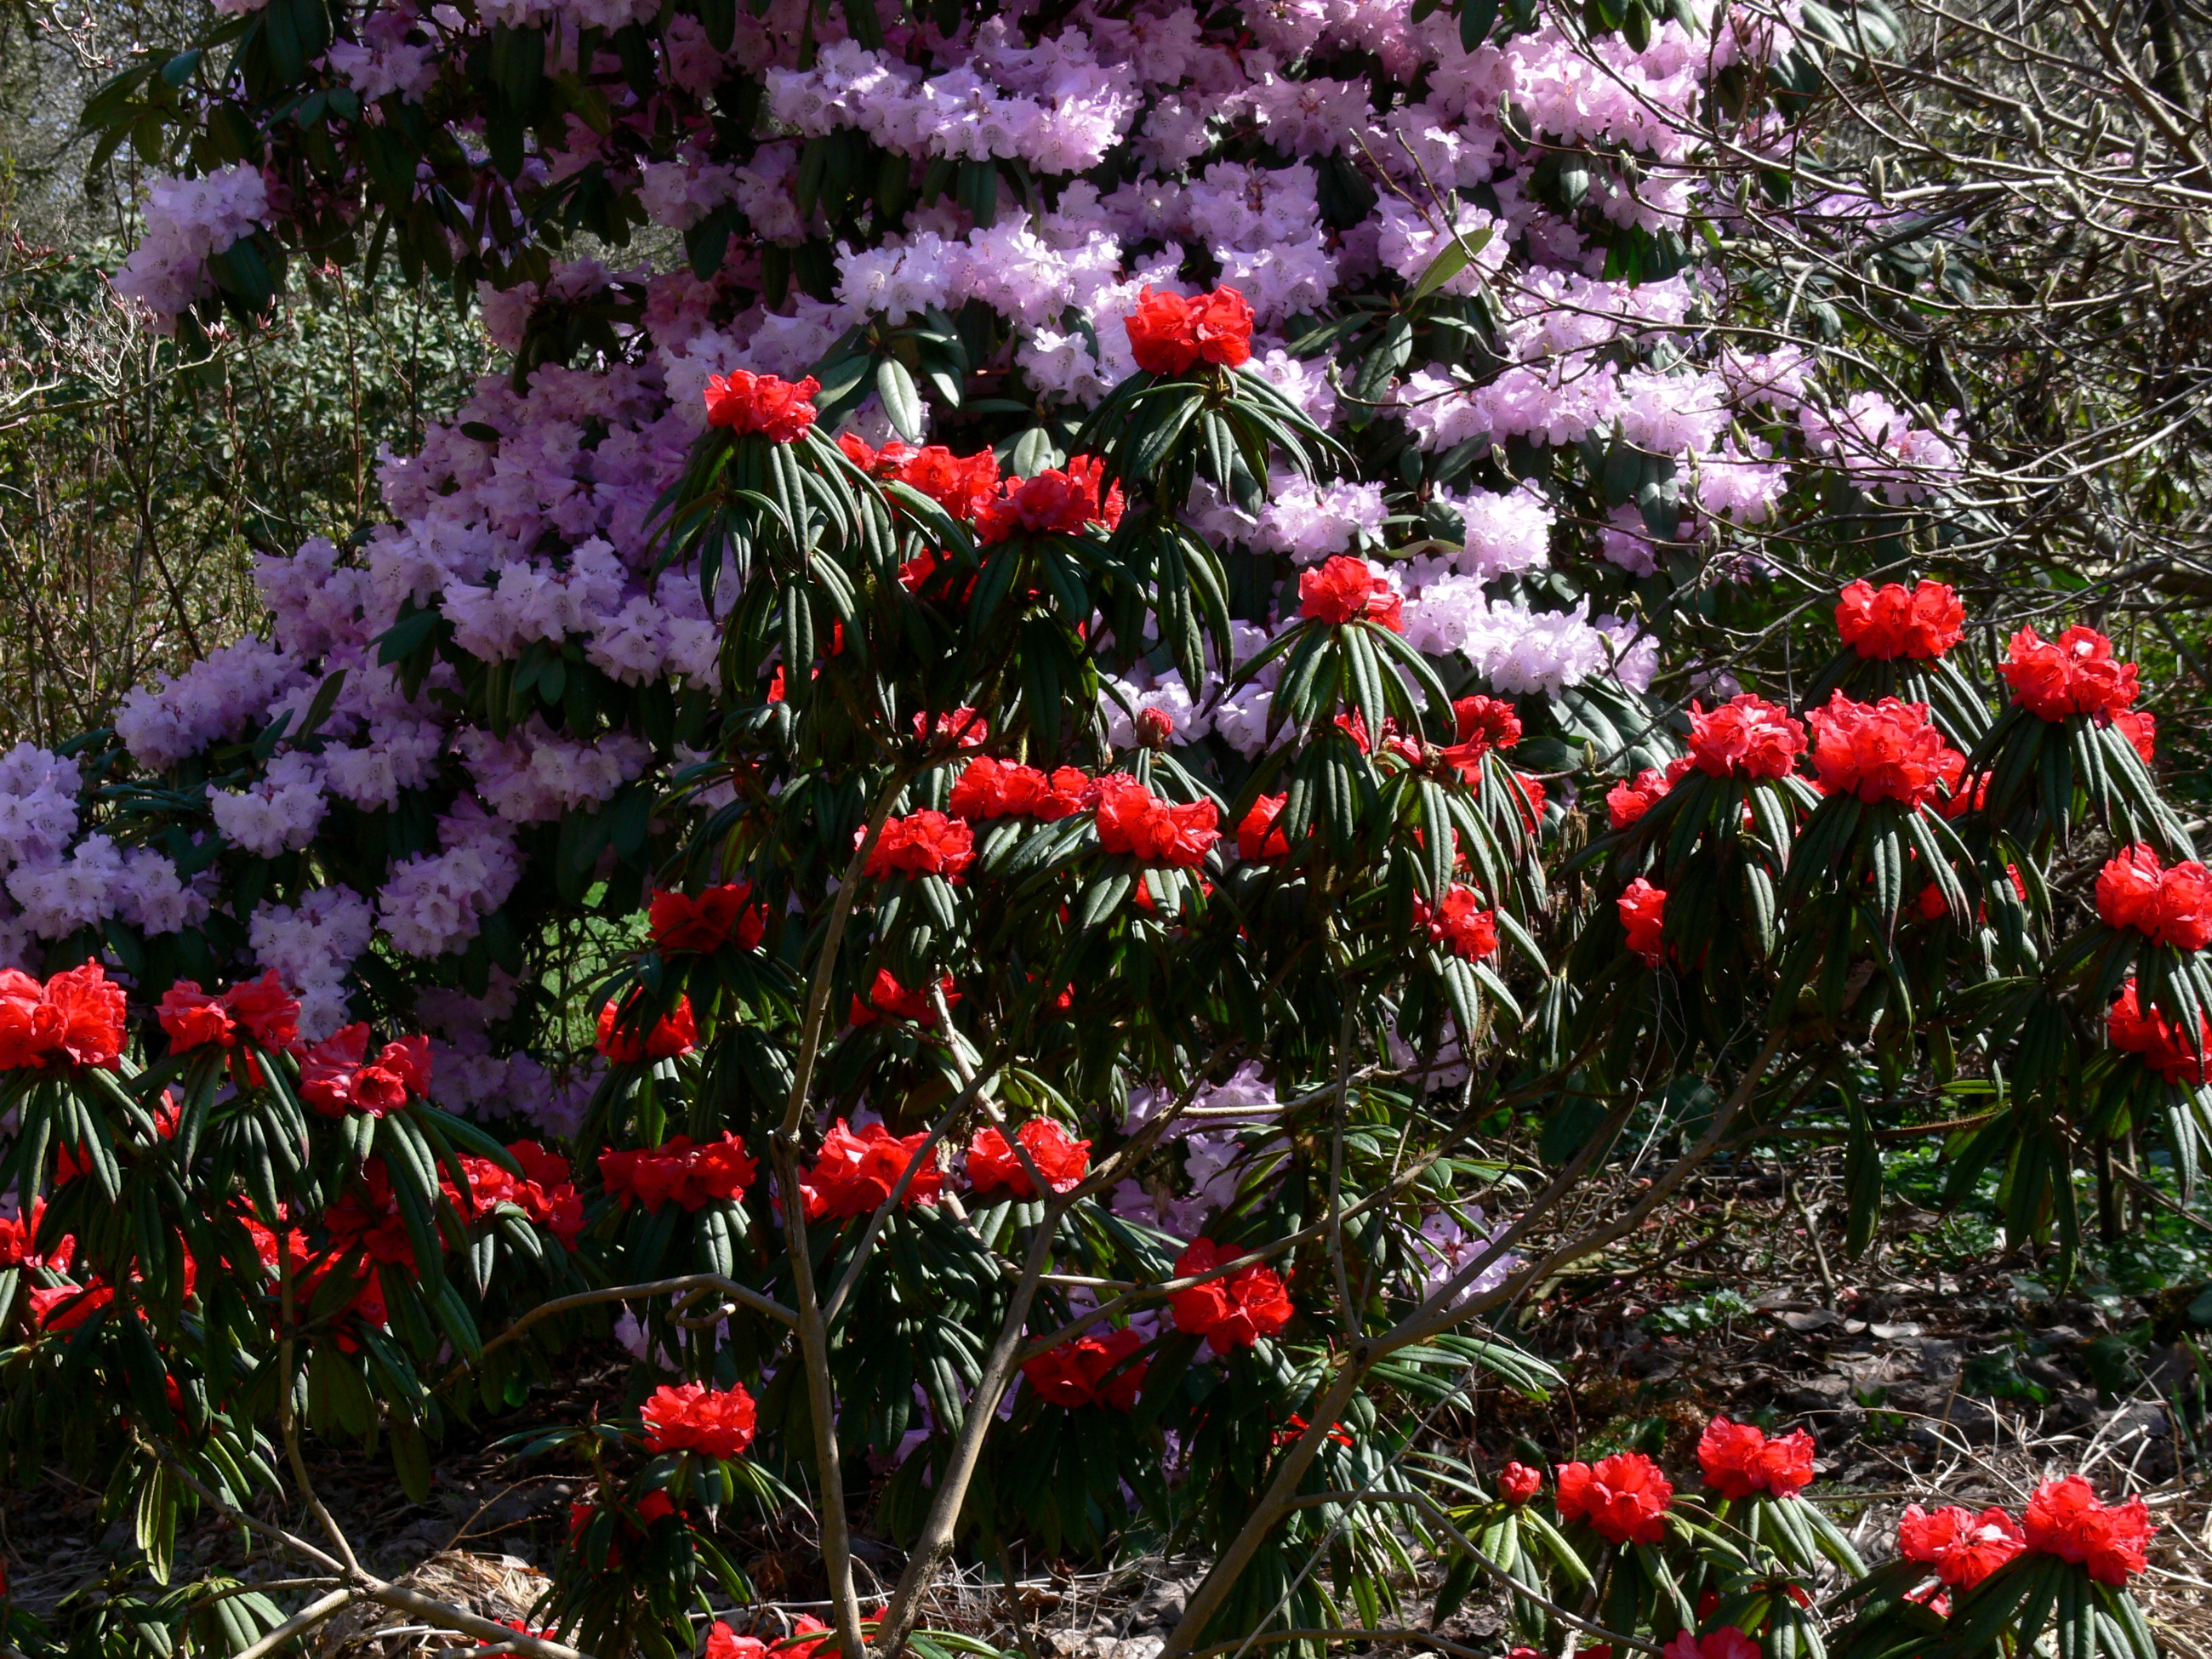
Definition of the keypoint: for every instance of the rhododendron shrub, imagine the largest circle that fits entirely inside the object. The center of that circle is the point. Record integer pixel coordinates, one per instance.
(957, 812)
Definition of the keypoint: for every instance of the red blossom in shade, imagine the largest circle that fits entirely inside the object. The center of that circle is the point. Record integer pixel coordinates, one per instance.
(2065, 1519)
(961, 728)
(1061, 1160)
(1738, 1459)
(1517, 1483)
(2073, 674)
(1169, 334)
(1459, 923)
(2159, 1040)
(194, 1019)
(1082, 1372)
(1931, 903)
(806, 1624)
(723, 1642)
(925, 843)
(674, 1033)
(2170, 906)
(779, 409)
(1000, 789)
(1958, 803)
(19, 1242)
(65, 1307)
(367, 1217)
(1531, 811)
(1726, 1643)
(1066, 502)
(1231, 1312)
(2140, 727)
(707, 923)
(1342, 588)
(1886, 750)
(1887, 623)
(546, 1192)
(1747, 737)
(337, 1076)
(1962, 1547)
(681, 1171)
(269, 1013)
(1627, 802)
(1623, 1497)
(887, 997)
(1259, 837)
(856, 1173)
(1644, 916)
(692, 1417)
(1132, 819)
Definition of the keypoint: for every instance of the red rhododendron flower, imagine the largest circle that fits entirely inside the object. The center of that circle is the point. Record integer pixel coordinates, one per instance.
(1169, 334)
(1061, 1160)
(546, 1192)
(1886, 751)
(1891, 622)
(1643, 914)
(1726, 1643)
(761, 403)
(337, 1076)
(886, 996)
(856, 1173)
(1962, 1547)
(2073, 674)
(962, 727)
(1629, 801)
(2170, 906)
(1082, 1372)
(1000, 789)
(807, 1624)
(65, 1307)
(1459, 923)
(925, 843)
(692, 1417)
(1257, 837)
(1747, 737)
(1063, 502)
(1623, 1497)
(367, 1217)
(707, 923)
(1738, 1460)
(75, 1019)
(2140, 727)
(1932, 904)
(1531, 811)
(723, 1642)
(1517, 1483)
(19, 1242)
(1132, 819)
(1231, 1312)
(1487, 722)
(961, 485)
(2159, 1040)
(2065, 1519)
(1342, 587)
(674, 1033)
(1959, 803)
(680, 1171)
(193, 1019)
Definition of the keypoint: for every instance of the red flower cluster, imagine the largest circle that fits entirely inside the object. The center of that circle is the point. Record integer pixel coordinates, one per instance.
(1532, 810)
(2171, 907)
(962, 484)
(1643, 914)
(546, 1192)
(707, 923)
(368, 1219)
(651, 1508)
(261, 1008)
(1000, 789)
(1886, 751)
(761, 403)
(1517, 1483)
(1624, 1498)
(1963, 1548)
(75, 1019)
(1459, 923)
(2065, 1519)
(1726, 1643)
(337, 1076)
(674, 1033)
(1082, 1372)
(1342, 588)
(1168, 334)
(18, 1242)
(1891, 620)
(1232, 1312)
(2073, 674)
(856, 1173)
(1060, 1160)
(723, 1642)
(681, 1171)
(1931, 903)
(887, 997)
(1738, 1460)
(961, 728)
(1628, 800)
(1132, 819)
(925, 843)
(1067, 502)
(2140, 727)
(1257, 837)
(2159, 1040)
(1745, 737)
(692, 1417)
(1482, 724)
